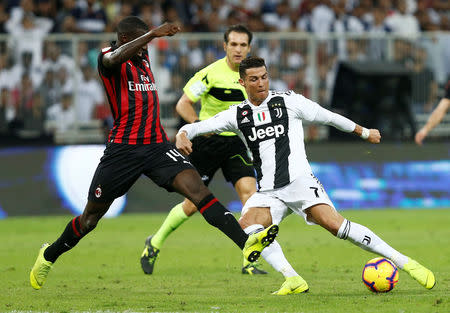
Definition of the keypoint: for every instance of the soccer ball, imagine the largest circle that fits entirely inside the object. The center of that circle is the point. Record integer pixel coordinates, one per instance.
(380, 275)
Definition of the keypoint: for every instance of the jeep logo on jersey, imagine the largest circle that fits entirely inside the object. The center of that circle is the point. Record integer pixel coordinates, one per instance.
(266, 133)
(261, 118)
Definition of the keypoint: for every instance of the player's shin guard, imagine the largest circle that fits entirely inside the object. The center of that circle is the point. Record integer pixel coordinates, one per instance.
(216, 215)
(368, 240)
(68, 239)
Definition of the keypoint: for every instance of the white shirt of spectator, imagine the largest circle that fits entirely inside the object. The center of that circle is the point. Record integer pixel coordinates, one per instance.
(62, 120)
(89, 95)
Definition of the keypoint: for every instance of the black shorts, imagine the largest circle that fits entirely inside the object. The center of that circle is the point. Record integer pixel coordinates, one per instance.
(121, 165)
(225, 152)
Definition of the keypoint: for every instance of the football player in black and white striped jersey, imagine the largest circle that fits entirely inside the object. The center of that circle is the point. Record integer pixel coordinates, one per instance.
(270, 123)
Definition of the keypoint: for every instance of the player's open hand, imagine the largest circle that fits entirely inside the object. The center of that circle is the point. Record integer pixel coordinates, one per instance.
(374, 136)
(420, 136)
(166, 29)
(183, 144)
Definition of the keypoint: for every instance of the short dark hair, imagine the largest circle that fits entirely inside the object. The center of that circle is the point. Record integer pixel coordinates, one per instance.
(239, 28)
(250, 62)
(130, 25)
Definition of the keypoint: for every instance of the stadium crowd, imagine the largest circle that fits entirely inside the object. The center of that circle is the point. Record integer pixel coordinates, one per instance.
(45, 90)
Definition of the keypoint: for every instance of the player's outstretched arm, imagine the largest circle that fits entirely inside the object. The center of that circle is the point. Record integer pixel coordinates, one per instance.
(435, 118)
(129, 49)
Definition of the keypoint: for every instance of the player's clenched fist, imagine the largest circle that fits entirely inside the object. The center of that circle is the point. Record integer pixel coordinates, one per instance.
(166, 29)
(374, 136)
(184, 145)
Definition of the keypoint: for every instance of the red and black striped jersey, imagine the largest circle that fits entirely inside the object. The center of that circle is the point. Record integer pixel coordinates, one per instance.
(133, 98)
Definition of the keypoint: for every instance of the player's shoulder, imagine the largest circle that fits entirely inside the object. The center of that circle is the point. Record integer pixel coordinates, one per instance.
(213, 68)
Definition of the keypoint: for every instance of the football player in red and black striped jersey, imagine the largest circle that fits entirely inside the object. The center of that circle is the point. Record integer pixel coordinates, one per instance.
(137, 144)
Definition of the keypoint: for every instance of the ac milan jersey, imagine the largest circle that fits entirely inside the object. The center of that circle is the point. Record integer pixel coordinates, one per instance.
(133, 99)
(273, 132)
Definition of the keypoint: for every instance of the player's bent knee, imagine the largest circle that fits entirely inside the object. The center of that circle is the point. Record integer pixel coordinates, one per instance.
(253, 216)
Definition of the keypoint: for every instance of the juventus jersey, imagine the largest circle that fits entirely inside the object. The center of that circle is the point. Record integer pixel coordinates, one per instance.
(273, 133)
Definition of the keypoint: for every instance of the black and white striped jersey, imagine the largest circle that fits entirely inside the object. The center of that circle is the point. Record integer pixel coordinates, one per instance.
(273, 133)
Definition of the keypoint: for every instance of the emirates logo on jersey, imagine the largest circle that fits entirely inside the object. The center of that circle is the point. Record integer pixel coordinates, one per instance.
(146, 63)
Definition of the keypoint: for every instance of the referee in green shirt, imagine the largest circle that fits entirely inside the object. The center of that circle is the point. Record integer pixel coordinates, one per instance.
(217, 87)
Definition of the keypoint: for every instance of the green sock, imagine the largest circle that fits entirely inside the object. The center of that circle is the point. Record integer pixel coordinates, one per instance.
(175, 218)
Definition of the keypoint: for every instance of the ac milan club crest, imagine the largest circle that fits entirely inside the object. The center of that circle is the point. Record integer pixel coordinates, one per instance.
(98, 192)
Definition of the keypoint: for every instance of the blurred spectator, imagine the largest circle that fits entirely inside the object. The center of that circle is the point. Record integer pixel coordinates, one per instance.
(61, 117)
(278, 20)
(28, 32)
(49, 89)
(424, 87)
(89, 17)
(276, 82)
(45, 9)
(322, 18)
(3, 109)
(26, 106)
(25, 65)
(89, 95)
(402, 22)
(3, 17)
(378, 46)
(270, 51)
(304, 22)
(64, 21)
(55, 60)
(255, 23)
(125, 9)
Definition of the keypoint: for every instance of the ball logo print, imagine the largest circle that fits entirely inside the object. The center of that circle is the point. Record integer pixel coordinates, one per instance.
(98, 192)
(380, 275)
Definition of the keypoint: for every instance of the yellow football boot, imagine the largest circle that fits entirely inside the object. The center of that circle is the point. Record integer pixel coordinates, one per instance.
(258, 241)
(292, 285)
(424, 276)
(40, 270)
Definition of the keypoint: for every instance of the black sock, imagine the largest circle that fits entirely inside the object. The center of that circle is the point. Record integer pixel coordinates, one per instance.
(68, 239)
(216, 215)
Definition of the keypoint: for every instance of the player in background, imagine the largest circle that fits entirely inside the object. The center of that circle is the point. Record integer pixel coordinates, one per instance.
(217, 87)
(137, 145)
(270, 123)
(436, 116)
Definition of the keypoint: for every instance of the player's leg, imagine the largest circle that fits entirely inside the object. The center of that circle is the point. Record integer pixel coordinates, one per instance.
(189, 184)
(201, 159)
(115, 174)
(256, 215)
(176, 217)
(238, 169)
(327, 217)
(76, 229)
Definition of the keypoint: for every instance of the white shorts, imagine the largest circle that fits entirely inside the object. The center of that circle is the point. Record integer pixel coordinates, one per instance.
(302, 193)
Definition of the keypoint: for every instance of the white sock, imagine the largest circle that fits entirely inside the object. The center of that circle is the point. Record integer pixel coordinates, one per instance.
(368, 240)
(273, 254)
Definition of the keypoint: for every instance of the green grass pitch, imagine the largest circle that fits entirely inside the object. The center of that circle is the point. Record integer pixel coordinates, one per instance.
(198, 269)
